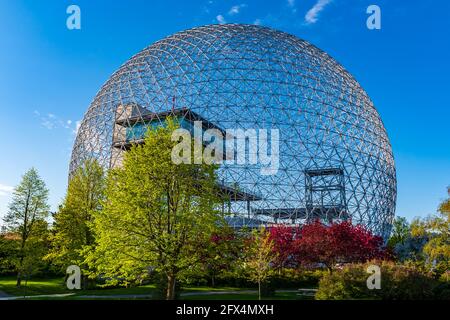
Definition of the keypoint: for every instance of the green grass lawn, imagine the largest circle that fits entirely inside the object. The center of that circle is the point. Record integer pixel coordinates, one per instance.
(51, 286)
(57, 286)
(32, 287)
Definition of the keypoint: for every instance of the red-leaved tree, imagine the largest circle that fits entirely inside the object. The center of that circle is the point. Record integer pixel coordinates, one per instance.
(284, 245)
(339, 242)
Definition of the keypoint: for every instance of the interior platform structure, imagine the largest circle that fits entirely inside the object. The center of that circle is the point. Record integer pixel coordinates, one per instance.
(324, 200)
(132, 122)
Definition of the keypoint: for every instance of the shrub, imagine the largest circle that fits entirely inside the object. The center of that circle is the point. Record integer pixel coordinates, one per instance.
(345, 284)
(398, 282)
(290, 278)
(442, 291)
(237, 281)
(268, 288)
(285, 279)
(405, 283)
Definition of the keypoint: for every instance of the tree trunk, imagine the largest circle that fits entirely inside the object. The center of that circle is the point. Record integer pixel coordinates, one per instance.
(85, 282)
(171, 281)
(19, 279)
(19, 273)
(259, 290)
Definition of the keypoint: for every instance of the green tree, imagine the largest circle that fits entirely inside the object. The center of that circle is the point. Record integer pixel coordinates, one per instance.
(437, 229)
(36, 248)
(72, 234)
(33, 252)
(259, 256)
(27, 209)
(156, 214)
(400, 232)
(9, 252)
(223, 254)
(408, 248)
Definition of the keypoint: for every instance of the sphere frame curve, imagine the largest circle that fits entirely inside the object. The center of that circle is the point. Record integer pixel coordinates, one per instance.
(335, 158)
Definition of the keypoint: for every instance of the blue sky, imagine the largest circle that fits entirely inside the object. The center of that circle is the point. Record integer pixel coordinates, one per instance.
(49, 74)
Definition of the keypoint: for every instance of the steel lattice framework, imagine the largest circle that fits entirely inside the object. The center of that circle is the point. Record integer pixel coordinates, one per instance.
(335, 157)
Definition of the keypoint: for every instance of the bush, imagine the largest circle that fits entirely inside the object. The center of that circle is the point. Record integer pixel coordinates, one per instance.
(442, 291)
(233, 281)
(348, 283)
(398, 282)
(192, 279)
(404, 283)
(286, 279)
(268, 289)
(294, 279)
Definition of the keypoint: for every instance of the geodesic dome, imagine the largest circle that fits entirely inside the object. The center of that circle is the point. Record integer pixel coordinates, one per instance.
(335, 159)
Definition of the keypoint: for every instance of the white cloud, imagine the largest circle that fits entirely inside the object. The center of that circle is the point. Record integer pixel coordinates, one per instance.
(236, 9)
(221, 19)
(5, 190)
(52, 121)
(312, 15)
(257, 22)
